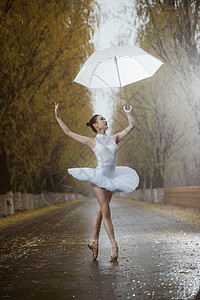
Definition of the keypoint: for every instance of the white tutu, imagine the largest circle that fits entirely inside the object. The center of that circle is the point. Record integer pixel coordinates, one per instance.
(125, 178)
(107, 175)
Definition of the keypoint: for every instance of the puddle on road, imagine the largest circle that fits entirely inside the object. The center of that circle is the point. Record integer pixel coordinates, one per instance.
(165, 266)
(56, 264)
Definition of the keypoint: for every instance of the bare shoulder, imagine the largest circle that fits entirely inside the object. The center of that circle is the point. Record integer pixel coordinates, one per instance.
(91, 143)
(115, 137)
(122, 134)
(88, 141)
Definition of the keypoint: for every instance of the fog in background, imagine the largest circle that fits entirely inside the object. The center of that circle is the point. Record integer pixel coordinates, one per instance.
(120, 24)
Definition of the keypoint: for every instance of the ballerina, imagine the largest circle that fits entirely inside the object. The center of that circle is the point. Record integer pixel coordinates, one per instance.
(106, 177)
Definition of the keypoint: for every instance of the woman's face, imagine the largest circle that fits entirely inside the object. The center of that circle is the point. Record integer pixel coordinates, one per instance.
(101, 123)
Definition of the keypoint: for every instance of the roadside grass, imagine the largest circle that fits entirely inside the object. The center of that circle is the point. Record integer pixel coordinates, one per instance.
(20, 216)
(190, 215)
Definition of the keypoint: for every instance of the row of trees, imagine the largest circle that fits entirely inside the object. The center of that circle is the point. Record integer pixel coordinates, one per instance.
(165, 145)
(43, 44)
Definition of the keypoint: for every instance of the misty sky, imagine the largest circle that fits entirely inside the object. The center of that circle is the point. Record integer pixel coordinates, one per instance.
(106, 36)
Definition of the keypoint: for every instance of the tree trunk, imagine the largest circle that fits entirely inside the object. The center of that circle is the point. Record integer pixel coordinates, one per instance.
(4, 174)
(144, 181)
(158, 178)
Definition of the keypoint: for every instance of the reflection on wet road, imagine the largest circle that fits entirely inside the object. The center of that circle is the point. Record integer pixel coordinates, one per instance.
(47, 257)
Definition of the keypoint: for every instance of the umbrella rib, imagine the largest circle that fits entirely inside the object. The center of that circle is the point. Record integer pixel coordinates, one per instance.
(102, 80)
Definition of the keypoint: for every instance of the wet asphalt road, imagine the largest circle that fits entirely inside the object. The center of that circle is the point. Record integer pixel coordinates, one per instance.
(46, 257)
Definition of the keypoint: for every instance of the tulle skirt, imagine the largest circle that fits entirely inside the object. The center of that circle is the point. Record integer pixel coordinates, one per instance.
(122, 178)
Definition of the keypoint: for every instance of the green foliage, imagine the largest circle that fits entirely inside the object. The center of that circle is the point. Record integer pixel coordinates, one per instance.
(43, 45)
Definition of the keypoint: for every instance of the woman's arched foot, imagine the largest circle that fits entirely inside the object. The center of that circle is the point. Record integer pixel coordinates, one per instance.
(94, 246)
(114, 253)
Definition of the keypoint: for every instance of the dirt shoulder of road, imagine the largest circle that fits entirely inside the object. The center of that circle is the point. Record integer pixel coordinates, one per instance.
(190, 215)
(20, 216)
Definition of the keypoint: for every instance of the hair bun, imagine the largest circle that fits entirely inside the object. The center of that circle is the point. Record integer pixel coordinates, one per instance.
(88, 124)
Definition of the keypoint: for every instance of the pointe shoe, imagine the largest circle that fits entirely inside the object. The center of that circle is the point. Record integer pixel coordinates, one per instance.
(94, 245)
(114, 254)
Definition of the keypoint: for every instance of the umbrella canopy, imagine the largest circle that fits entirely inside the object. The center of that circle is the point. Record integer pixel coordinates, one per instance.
(117, 66)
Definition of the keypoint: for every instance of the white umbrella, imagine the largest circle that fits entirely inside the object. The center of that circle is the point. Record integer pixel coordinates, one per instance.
(116, 67)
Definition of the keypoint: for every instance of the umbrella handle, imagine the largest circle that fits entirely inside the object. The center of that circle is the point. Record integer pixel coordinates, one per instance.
(121, 85)
(122, 95)
(119, 77)
(128, 110)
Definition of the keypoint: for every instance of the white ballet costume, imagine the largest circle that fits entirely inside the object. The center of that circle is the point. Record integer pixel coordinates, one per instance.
(107, 175)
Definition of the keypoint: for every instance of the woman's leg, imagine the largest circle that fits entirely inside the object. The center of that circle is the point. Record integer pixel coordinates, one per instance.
(103, 211)
(98, 219)
(93, 245)
(114, 253)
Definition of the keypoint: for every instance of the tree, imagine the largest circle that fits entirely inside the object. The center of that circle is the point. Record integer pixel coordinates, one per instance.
(170, 31)
(156, 135)
(43, 46)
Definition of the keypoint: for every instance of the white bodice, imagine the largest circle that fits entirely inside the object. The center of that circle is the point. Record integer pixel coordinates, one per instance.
(107, 175)
(106, 154)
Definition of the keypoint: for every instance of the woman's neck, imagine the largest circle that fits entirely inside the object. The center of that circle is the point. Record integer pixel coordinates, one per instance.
(101, 132)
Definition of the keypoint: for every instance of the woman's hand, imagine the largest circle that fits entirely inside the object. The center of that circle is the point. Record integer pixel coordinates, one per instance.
(57, 110)
(124, 103)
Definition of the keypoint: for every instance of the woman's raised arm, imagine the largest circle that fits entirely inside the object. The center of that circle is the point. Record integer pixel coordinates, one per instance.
(131, 124)
(90, 142)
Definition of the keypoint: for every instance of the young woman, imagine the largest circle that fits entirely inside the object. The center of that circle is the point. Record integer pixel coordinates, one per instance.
(106, 177)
